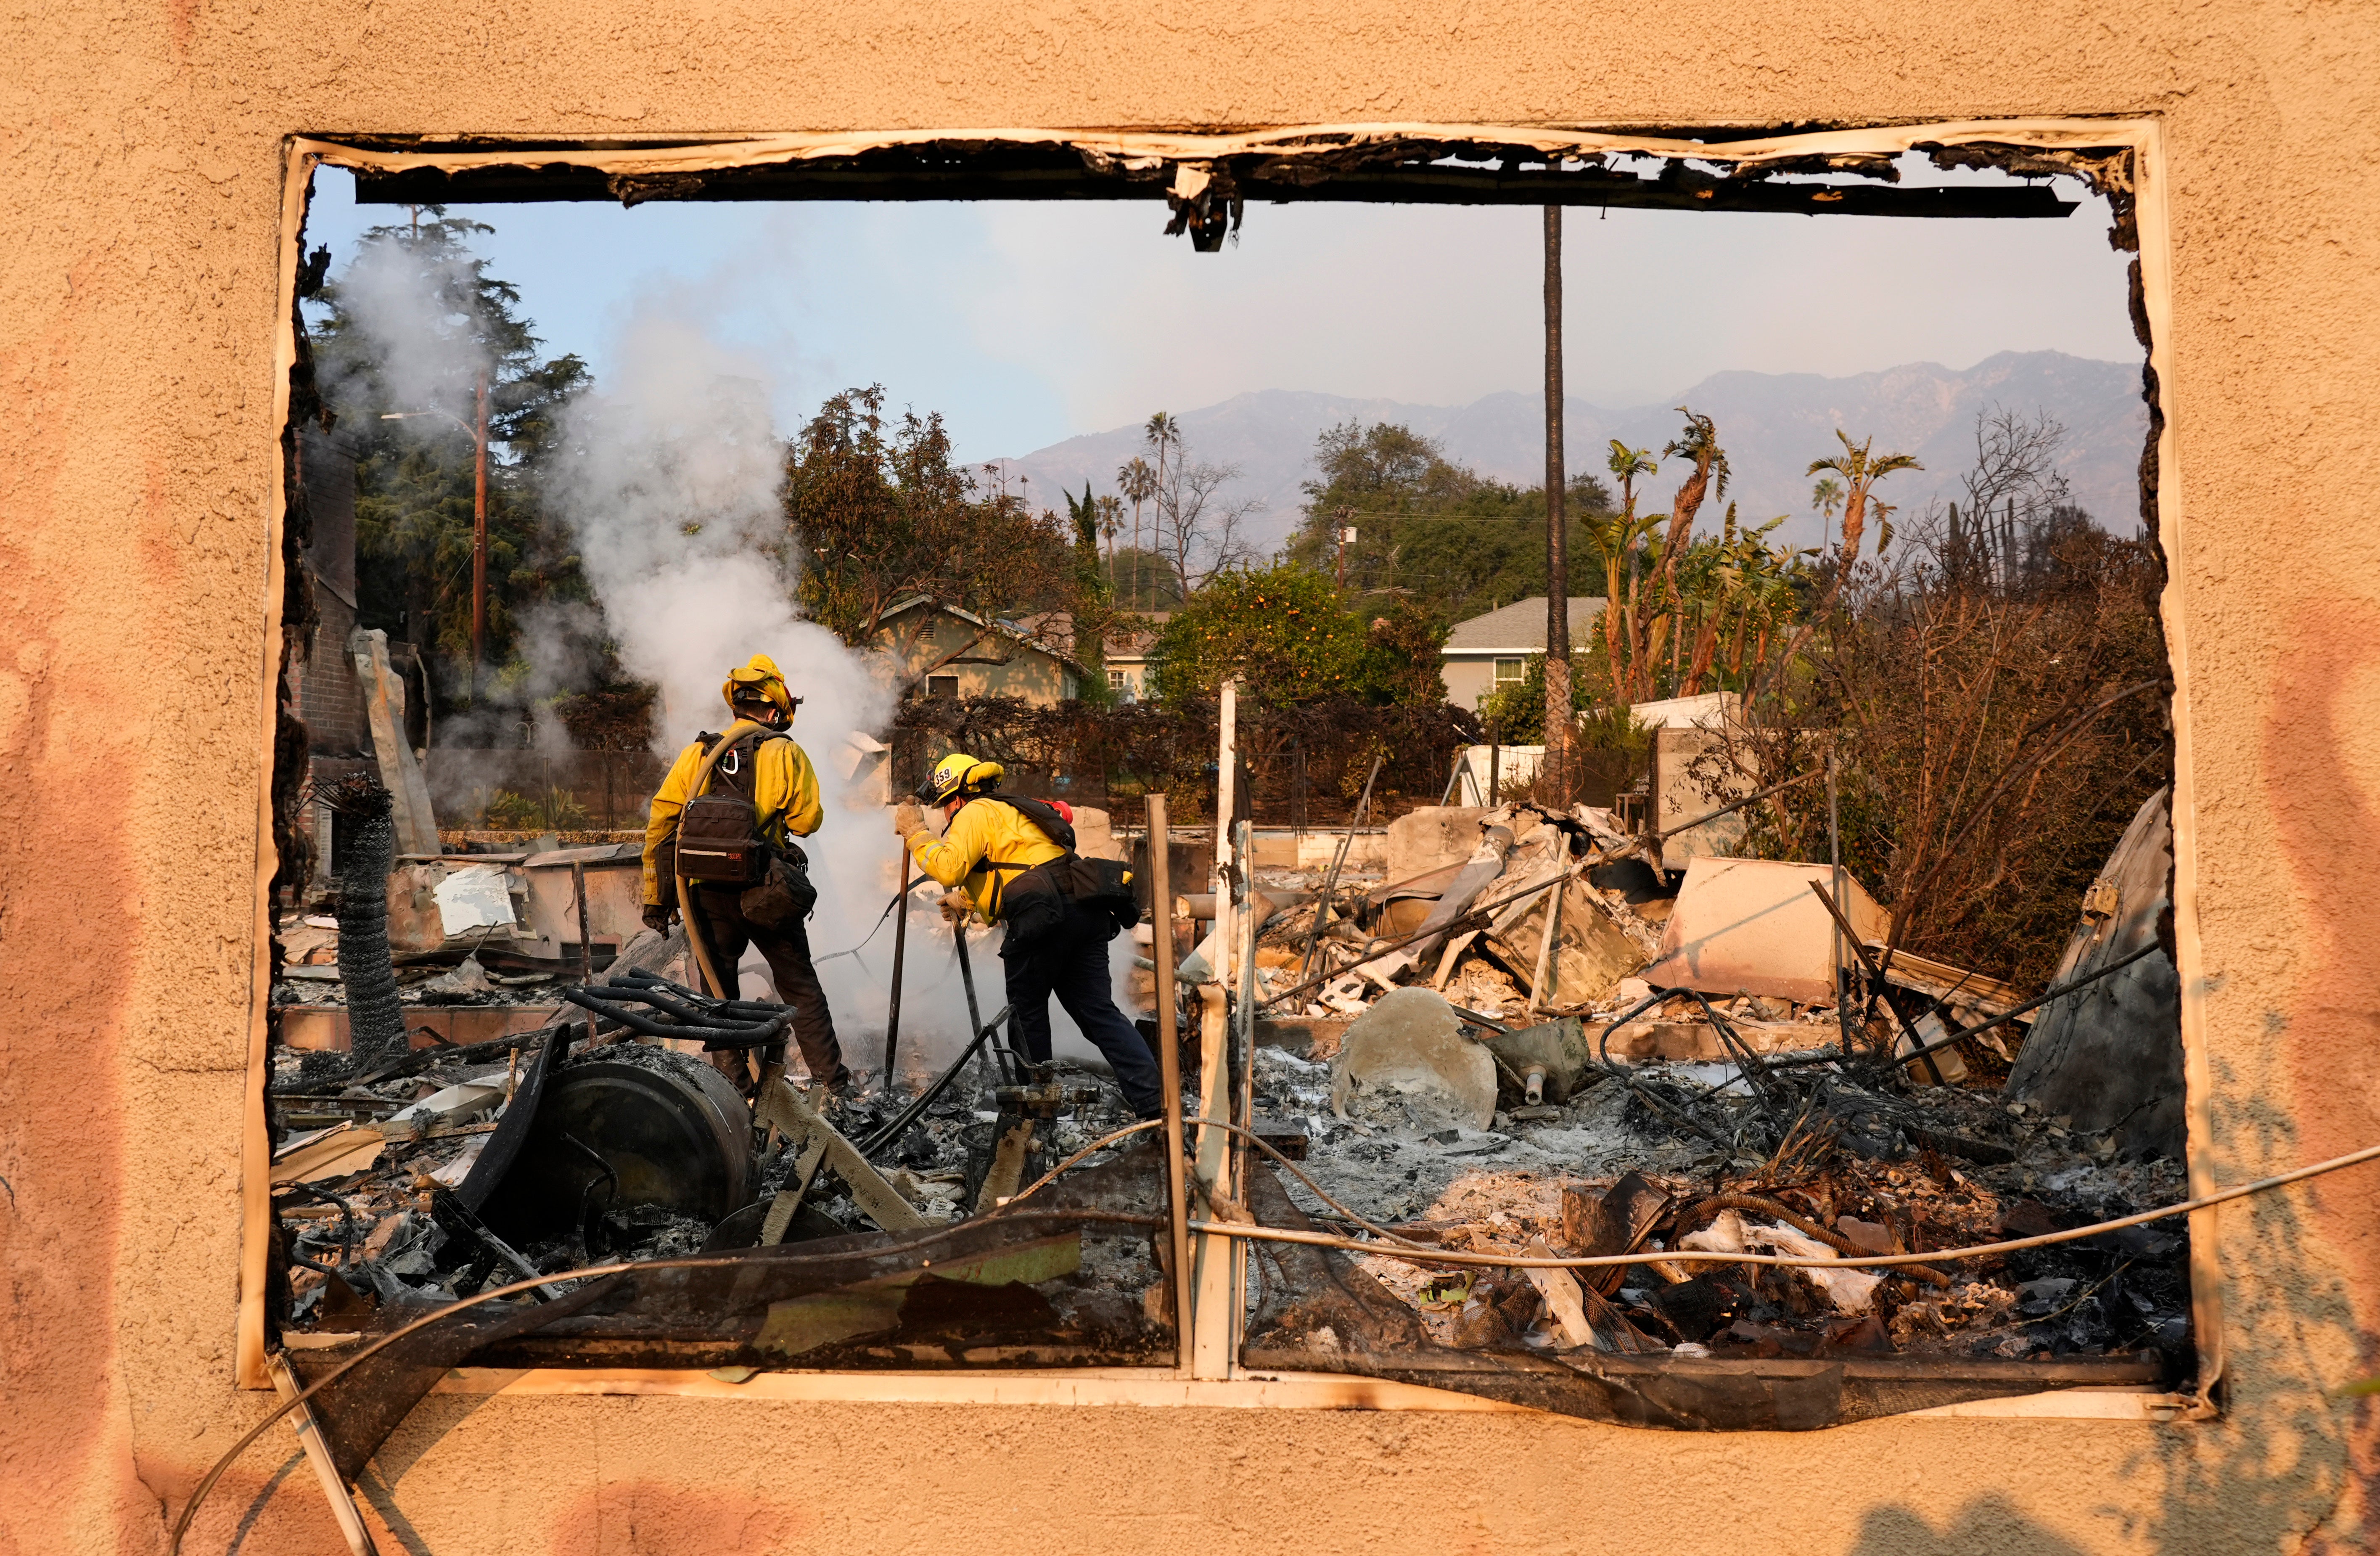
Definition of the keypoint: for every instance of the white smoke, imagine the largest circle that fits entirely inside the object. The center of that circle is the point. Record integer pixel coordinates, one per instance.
(674, 487)
(669, 476)
(415, 307)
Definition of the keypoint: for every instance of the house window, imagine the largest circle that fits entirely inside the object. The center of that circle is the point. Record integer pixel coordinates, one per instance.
(942, 685)
(1511, 672)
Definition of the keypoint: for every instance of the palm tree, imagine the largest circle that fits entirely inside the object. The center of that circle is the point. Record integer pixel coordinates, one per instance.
(1618, 540)
(1139, 484)
(1163, 433)
(1698, 443)
(1826, 496)
(1108, 511)
(1860, 470)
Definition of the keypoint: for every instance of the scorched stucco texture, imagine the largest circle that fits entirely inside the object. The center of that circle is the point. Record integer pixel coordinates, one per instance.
(142, 163)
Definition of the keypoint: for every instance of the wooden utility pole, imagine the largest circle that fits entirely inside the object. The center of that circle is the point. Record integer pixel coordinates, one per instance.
(1553, 776)
(480, 542)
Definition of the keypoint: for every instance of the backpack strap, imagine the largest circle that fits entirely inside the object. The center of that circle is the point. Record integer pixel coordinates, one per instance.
(1044, 816)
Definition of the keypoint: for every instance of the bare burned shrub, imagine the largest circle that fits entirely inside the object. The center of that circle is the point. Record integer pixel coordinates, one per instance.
(1992, 736)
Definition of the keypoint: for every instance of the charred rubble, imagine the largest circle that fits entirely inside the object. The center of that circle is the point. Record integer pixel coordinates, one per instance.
(1683, 1069)
(1545, 1041)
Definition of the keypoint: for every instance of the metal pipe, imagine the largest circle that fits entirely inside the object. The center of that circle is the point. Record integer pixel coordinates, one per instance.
(926, 1098)
(1243, 1018)
(967, 975)
(1876, 975)
(1169, 1069)
(1834, 859)
(900, 946)
(1338, 859)
(480, 542)
(1226, 804)
(585, 940)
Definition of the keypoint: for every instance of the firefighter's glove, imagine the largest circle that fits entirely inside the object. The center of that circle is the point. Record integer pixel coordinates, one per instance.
(907, 819)
(955, 907)
(658, 915)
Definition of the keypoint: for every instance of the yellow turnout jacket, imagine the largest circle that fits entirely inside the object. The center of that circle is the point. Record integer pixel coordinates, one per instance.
(784, 793)
(984, 830)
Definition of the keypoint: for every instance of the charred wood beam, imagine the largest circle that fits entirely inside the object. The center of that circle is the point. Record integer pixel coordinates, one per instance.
(1041, 172)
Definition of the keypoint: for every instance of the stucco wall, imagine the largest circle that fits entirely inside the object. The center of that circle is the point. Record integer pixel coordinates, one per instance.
(140, 180)
(914, 646)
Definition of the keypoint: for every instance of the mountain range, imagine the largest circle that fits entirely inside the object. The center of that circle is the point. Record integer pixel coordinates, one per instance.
(1772, 426)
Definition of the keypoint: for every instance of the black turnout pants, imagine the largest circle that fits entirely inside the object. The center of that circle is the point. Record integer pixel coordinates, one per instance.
(787, 951)
(1072, 962)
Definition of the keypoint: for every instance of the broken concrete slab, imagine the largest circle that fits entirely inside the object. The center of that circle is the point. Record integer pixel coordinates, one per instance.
(1095, 834)
(1591, 952)
(1754, 926)
(476, 897)
(1430, 838)
(612, 877)
(1481, 871)
(1553, 1055)
(414, 923)
(1407, 1058)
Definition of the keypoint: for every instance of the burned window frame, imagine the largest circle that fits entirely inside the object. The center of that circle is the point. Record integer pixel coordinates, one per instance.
(1206, 180)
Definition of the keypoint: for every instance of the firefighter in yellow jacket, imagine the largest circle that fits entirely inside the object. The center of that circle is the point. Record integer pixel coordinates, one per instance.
(987, 842)
(775, 774)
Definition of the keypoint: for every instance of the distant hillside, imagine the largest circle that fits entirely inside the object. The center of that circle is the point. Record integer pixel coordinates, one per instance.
(1771, 424)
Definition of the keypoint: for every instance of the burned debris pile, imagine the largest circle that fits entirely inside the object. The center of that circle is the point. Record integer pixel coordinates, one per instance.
(1529, 1036)
(1539, 1041)
(634, 1119)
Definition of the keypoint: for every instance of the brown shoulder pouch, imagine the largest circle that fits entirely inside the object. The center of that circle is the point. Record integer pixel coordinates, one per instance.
(785, 895)
(718, 830)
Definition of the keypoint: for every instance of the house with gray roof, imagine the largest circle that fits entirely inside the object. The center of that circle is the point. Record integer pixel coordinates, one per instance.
(1487, 651)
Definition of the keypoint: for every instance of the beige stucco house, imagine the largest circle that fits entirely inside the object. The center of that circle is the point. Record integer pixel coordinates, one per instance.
(1129, 643)
(944, 652)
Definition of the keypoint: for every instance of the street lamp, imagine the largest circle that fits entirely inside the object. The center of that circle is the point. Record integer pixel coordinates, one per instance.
(478, 436)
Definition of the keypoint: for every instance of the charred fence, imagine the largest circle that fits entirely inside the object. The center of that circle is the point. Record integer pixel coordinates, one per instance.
(1306, 764)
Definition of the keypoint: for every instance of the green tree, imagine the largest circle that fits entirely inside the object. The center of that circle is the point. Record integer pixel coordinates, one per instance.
(1283, 633)
(400, 341)
(1401, 660)
(1517, 710)
(1432, 531)
(884, 516)
(1092, 607)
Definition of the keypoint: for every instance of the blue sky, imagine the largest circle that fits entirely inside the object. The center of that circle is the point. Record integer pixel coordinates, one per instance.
(1025, 323)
